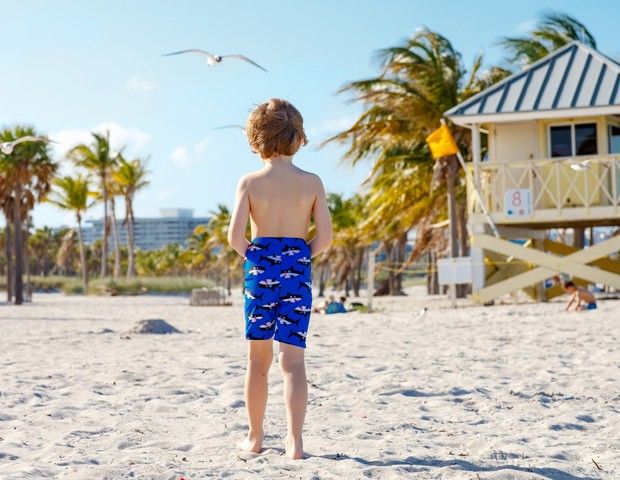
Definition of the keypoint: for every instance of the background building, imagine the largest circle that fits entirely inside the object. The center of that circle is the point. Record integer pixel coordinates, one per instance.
(174, 225)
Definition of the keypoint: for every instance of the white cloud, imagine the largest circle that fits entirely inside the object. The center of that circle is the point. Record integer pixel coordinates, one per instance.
(527, 25)
(139, 84)
(332, 126)
(184, 156)
(132, 139)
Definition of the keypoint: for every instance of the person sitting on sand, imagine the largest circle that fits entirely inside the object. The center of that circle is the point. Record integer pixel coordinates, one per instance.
(322, 308)
(581, 297)
(336, 307)
(279, 199)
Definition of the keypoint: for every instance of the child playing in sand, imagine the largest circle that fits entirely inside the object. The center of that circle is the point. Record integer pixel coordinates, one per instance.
(279, 199)
(581, 297)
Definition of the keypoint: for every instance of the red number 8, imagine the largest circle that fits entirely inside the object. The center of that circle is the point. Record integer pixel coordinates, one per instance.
(516, 199)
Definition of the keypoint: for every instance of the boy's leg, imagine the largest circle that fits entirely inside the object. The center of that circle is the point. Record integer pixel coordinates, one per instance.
(260, 355)
(292, 364)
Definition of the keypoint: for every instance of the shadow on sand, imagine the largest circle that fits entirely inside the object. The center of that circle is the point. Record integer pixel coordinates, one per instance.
(547, 472)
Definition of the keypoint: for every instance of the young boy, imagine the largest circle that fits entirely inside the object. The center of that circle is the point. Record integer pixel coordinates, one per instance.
(279, 200)
(577, 296)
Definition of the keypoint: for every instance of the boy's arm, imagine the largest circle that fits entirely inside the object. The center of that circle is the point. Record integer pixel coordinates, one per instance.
(239, 219)
(322, 221)
(570, 302)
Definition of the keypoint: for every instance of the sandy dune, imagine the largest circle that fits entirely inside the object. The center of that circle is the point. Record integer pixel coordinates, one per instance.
(504, 392)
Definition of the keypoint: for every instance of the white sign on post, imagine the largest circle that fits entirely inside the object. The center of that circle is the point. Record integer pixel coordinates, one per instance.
(454, 271)
(518, 202)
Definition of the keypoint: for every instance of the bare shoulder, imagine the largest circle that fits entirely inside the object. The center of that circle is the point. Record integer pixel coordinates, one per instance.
(246, 181)
(312, 179)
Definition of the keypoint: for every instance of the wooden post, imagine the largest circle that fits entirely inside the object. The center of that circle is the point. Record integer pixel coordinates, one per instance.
(476, 253)
(370, 287)
(451, 173)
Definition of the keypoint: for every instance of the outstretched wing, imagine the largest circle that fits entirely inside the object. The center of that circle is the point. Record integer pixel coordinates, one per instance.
(30, 138)
(240, 127)
(245, 59)
(190, 50)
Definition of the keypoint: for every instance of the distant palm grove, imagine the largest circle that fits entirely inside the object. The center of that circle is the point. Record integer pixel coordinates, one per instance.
(405, 190)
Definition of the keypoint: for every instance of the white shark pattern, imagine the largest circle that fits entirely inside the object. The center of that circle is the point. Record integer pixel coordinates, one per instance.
(267, 325)
(284, 320)
(269, 283)
(256, 270)
(290, 251)
(302, 309)
(251, 296)
(290, 273)
(304, 261)
(254, 247)
(291, 298)
(300, 335)
(273, 259)
(255, 318)
(269, 306)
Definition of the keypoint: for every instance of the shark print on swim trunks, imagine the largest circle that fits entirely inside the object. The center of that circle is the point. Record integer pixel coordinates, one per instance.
(278, 290)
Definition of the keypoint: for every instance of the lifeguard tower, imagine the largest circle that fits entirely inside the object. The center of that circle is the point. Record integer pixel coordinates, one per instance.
(553, 161)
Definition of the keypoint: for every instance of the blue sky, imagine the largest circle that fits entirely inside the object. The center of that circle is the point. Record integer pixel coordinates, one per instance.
(72, 66)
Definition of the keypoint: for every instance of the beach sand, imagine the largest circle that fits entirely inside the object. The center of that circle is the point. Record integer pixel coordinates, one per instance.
(504, 392)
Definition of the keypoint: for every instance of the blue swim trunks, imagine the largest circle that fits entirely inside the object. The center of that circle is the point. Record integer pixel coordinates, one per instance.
(278, 290)
(591, 306)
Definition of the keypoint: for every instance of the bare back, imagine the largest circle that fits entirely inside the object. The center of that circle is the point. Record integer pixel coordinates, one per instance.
(281, 201)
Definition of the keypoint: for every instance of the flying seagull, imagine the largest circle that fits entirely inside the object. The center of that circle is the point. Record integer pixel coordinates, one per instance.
(235, 125)
(7, 147)
(580, 166)
(215, 59)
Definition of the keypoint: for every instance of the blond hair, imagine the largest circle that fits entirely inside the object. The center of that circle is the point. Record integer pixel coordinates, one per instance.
(275, 128)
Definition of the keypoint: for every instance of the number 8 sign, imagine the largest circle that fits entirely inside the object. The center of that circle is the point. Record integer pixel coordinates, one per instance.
(518, 202)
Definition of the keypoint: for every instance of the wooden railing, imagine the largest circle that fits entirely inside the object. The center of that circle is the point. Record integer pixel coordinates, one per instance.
(549, 189)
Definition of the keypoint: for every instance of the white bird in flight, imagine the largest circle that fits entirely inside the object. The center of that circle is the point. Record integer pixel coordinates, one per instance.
(215, 59)
(7, 147)
(580, 166)
(234, 125)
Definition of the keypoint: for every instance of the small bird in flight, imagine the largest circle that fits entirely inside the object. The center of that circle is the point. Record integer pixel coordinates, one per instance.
(235, 125)
(580, 166)
(215, 59)
(7, 147)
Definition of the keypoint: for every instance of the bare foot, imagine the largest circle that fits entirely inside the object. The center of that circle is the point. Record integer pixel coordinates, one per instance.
(295, 448)
(253, 443)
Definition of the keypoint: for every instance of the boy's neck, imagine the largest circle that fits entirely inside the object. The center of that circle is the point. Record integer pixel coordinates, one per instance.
(278, 160)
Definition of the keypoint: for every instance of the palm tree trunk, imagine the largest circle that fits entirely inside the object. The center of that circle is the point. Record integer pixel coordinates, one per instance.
(17, 234)
(450, 183)
(106, 231)
(82, 256)
(9, 259)
(129, 224)
(117, 246)
(463, 237)
(322, 278)
(228, 274)
(27, 265)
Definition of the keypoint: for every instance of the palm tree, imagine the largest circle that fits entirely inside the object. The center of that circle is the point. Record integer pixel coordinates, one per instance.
(25, 179)
(553, 30)
(42, 245)
(98, 159)
(216, 241)
(114, 191)
(130, 176)
(71, 193)
(419, 80)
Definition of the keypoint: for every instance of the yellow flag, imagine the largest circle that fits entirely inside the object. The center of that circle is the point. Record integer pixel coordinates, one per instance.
(442, 143)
